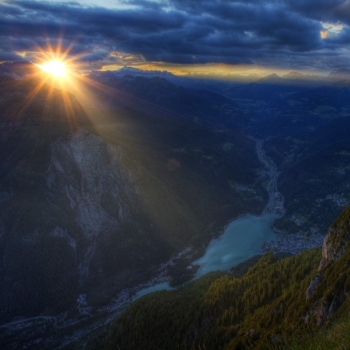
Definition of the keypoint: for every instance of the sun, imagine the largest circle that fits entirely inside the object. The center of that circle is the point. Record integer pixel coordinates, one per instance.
(55, 67)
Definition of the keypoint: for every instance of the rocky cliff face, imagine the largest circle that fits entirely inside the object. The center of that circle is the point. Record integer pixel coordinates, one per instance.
(73, 223)
(78, 221)
(85, 169)
(329, 289)
(89, 174)
(336, 240)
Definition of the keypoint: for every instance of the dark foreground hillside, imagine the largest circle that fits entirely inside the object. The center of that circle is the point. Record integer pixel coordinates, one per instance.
(275, 305)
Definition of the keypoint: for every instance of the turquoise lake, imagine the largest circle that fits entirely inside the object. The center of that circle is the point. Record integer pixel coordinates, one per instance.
(240, 241)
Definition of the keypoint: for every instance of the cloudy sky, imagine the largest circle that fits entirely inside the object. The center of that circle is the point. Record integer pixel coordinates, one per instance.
(182, 35)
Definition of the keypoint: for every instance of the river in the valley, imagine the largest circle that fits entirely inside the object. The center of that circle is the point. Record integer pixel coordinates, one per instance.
(243, 237)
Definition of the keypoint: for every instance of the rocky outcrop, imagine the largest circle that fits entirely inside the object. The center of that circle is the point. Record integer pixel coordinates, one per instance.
(336, 239)
(327, 308)
(313, 285)
(85, 169)
(98, 190)
(328, 291)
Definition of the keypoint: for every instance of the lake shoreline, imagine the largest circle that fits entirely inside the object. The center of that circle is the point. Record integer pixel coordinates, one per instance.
(274, 207)
(270, 209)
(240, 241)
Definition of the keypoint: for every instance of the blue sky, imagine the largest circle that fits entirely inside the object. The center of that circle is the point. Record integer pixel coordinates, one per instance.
(183, 34)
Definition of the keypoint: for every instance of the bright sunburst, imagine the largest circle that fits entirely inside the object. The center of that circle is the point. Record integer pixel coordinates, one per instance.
(55, 68)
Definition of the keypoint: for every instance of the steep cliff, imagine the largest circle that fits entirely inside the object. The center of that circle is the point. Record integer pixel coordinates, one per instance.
(329, 289)
(336, 241)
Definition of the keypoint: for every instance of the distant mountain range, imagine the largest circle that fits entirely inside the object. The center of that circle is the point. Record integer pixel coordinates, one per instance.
(158, 92)
(23, 68)
(130, 71)
(291, 77)
(340, 74)
(159, 95)
(18, 70)
(6, 71)
(127, 73)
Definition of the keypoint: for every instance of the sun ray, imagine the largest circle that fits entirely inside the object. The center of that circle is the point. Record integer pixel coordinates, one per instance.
(19, 111)
(51, 83)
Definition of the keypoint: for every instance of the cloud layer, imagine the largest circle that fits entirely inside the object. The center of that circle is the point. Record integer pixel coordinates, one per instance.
(275, 33)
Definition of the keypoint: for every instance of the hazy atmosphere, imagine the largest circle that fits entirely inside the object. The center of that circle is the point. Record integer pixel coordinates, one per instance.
(175, 175)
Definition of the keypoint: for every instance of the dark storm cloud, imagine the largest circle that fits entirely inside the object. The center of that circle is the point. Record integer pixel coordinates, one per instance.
(317, 9)
(97, 56)
(180, 31)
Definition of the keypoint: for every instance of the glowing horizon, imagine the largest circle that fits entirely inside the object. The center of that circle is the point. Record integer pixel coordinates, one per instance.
(215, 71)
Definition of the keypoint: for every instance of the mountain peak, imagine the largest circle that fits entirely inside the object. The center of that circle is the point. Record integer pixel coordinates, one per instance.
(294, 75)
(272, 76)
(340, 74)
(127, 72)
(271, 79)
(140, 72)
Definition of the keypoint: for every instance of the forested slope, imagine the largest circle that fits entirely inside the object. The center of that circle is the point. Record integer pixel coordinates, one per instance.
(272, 305)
